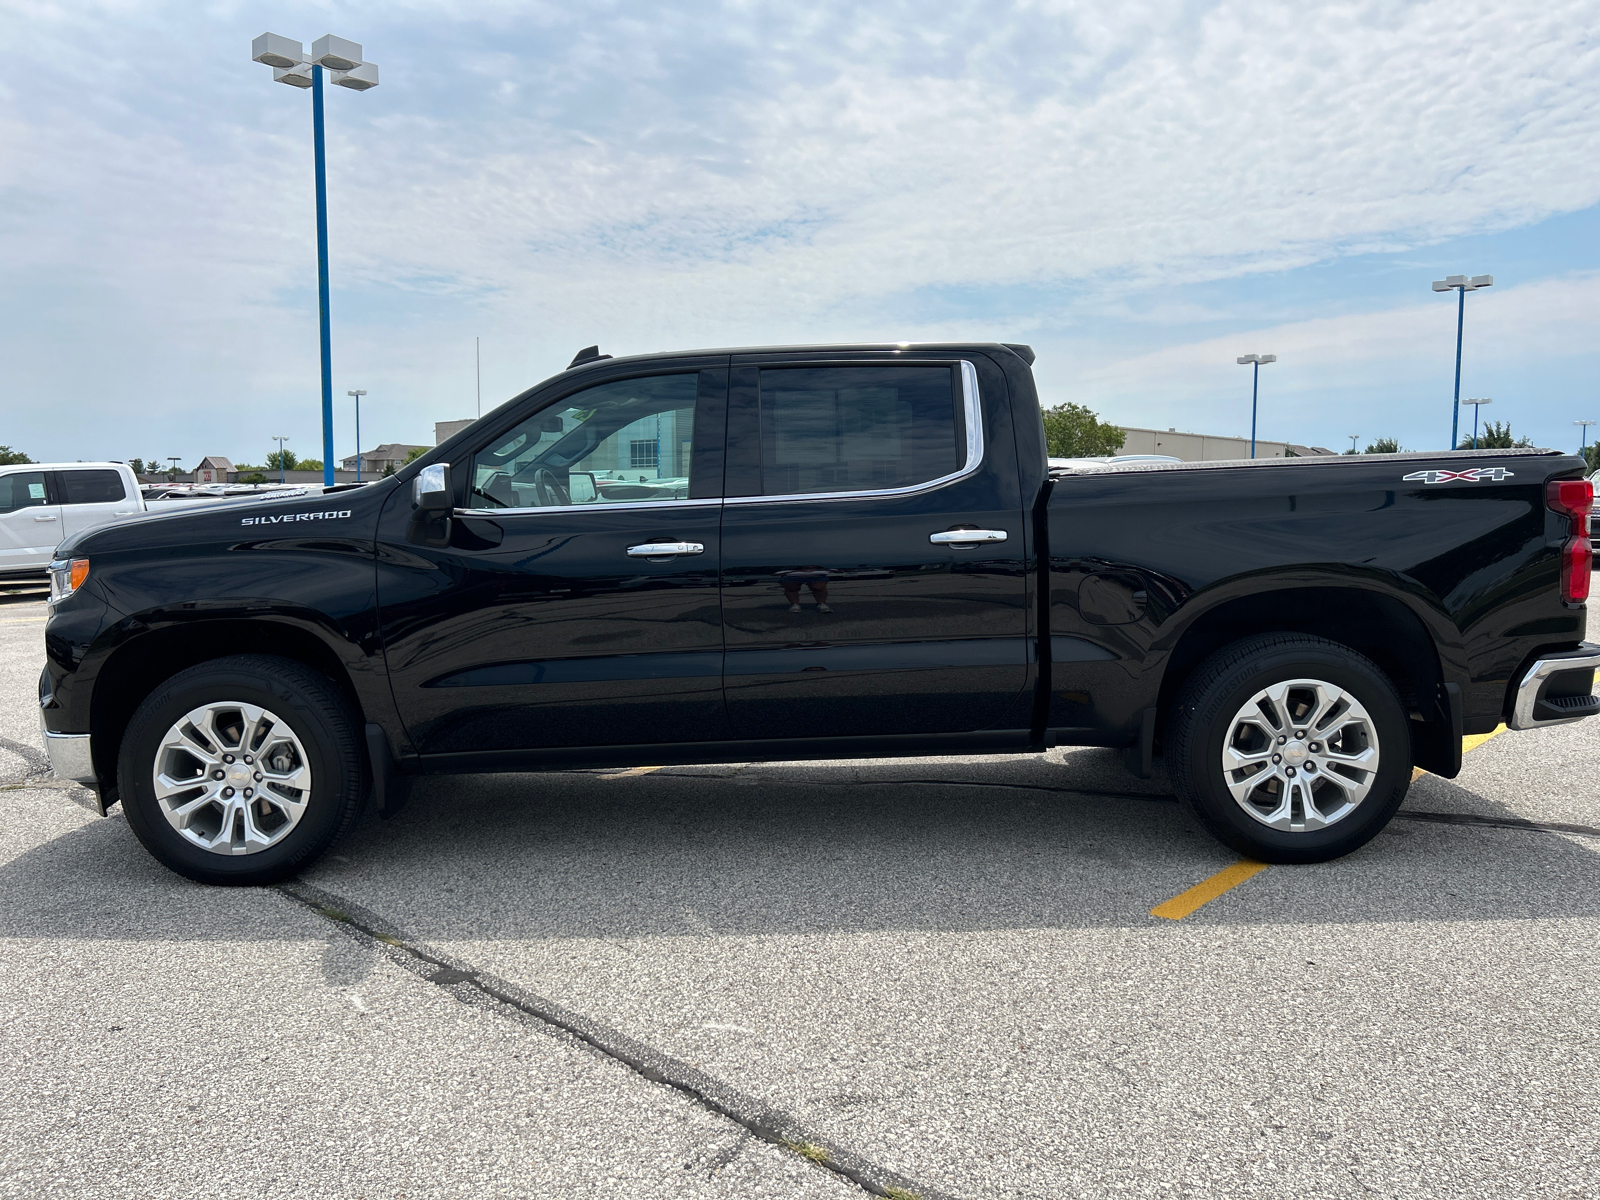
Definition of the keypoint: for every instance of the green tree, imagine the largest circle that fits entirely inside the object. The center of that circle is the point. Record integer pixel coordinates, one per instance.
(1591, 455)
(1384, 446)
(10, 457)
(136, 465)
(1073, 431)
(310, 464)
(416, 453)
(388, 470)
(286, 460)
(253, 477)
(1495, 435)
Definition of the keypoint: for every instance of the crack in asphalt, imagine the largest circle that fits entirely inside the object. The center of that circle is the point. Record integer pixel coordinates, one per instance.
(468, 984)
(1439, 818)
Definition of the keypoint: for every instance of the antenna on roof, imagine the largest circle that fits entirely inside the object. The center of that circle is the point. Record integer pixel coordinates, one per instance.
(587, 354)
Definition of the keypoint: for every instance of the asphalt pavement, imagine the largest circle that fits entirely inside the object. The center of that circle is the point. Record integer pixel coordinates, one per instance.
(937, 977)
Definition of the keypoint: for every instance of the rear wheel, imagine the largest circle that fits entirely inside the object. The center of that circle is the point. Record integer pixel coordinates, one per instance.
(1290, 749)
(242, 770)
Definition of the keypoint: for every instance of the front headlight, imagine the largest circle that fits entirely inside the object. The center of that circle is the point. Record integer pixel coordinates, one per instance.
(67, 576)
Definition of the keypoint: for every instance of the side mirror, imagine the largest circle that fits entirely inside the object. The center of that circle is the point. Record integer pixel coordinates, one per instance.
(580, 487)
(432, 502)
(431, 490)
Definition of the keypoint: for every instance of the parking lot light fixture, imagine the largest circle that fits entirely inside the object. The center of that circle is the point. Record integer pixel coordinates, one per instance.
(1476, 405)
(1254, 361)
(1583, 448)
(340, 60)
(358, 393)
(280, 441)
(1461, 285)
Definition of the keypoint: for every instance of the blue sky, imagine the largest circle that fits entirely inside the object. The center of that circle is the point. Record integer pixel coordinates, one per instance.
(1142, 191)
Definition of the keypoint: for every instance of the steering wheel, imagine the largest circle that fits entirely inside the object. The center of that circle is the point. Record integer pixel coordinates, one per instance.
(547, 487)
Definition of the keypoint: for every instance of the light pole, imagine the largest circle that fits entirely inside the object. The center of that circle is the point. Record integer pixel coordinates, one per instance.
(342, 60)
(1353, 438)
(358, 393)
(280, 441)
(1584, 448)
(1476, 405)
(1461, 285)
(1255, 361)
(173, 459)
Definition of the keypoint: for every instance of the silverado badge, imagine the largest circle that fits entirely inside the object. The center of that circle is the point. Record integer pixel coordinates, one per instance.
(1471, 475)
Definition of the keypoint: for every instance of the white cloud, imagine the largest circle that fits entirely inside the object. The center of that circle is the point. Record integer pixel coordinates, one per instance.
(652, 176)
(1389, 371)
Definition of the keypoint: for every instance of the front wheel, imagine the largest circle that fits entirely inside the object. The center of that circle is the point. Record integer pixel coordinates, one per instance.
(1290, 749)
(242, 770)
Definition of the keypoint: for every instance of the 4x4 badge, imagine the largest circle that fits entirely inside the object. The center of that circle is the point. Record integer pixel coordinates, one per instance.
(1471, 475)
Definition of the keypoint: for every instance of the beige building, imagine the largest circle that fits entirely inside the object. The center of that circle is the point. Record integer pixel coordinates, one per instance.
(1203, 447)
(443, 431)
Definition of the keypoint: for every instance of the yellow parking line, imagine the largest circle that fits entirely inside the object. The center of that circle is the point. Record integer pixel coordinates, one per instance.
(1225, 880)
(1228, 878)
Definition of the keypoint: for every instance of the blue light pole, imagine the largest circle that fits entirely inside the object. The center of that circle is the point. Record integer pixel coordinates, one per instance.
(1462, 285)
(358, 393)
(342, 61)
(1476, 405)
(1254, 361)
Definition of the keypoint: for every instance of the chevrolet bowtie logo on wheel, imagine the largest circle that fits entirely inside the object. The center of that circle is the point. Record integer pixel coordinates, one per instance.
(1472, 475)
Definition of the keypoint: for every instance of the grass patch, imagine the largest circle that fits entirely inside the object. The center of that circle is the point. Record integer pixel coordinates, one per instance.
(808, 1150)
(895, 1193)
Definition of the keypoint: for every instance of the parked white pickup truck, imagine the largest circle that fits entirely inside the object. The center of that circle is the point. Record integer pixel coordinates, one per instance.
(43, 504)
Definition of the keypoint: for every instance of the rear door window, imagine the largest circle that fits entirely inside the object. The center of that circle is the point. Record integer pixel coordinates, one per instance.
(857, 429)
(91, 487)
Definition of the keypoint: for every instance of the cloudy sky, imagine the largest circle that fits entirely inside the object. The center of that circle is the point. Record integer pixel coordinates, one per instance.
(1142, 191)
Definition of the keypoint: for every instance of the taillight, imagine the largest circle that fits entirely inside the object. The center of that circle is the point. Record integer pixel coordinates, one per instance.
(1573, 499)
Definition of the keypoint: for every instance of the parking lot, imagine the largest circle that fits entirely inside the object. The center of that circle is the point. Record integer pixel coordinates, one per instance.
(938, 977)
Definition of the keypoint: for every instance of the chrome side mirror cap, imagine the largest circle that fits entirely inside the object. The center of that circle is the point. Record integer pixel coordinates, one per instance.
(431, 490)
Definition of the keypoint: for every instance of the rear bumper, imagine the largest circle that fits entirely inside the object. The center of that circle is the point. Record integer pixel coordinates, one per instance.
(1535, 708)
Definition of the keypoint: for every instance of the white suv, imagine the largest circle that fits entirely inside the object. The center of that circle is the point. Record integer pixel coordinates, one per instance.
(42, 504)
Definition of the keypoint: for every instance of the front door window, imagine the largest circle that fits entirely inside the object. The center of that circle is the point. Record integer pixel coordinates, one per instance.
(626, 442)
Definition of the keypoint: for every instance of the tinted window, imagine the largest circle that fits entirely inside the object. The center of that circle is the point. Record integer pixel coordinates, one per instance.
(24, 489)
(92, 487)
(854, 429)
(628, 441)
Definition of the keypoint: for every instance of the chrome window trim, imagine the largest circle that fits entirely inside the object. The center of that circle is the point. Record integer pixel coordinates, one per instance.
(620, 506)
(971, 409)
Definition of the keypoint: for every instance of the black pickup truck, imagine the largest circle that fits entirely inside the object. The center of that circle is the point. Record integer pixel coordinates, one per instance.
(814, 552)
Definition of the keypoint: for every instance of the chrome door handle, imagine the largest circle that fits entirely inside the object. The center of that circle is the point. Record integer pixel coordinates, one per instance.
(967, 536)
(665, 549)
(39, 518)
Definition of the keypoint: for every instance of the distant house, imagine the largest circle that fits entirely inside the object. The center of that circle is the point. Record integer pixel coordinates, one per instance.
(213, 469)
(378, 460)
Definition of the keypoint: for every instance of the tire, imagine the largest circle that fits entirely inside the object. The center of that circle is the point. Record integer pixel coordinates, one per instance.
(1226, 728)
(305, 779)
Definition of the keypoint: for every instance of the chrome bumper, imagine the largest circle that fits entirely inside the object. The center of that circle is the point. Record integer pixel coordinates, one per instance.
(70, 759)
(1535, 711)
